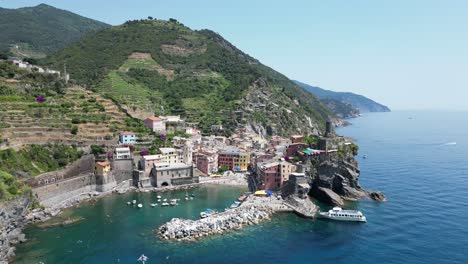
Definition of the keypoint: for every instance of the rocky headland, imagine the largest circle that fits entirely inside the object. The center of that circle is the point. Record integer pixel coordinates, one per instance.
(335, 179)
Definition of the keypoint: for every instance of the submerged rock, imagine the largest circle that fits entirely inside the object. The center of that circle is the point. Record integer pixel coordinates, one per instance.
(377, 196)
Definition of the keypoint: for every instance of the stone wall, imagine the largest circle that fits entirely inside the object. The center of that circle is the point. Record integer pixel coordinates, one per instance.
(85, 165)
(52, 194)
(122, 170)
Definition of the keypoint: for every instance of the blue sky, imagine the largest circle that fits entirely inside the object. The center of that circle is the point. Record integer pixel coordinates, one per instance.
(408, 54)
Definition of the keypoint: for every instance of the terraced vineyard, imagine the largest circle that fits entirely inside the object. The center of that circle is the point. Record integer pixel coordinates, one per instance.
(97, 120)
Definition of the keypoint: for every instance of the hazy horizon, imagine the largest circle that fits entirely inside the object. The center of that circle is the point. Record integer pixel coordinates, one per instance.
(408, 56)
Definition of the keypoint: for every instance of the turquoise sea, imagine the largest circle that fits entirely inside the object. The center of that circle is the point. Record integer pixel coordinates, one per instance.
(418, 159)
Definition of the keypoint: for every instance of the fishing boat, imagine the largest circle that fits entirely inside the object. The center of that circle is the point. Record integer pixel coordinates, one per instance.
(173, 202)
(159, 200)
(159, 197)
(207, 212)
(129, 203)
(165, 200)
(343, 215)
(165, 204)
(153, 204)
(134, 201)
(140, 205)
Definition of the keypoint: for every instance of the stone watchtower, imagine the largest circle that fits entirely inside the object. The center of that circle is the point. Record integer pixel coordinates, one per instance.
(329, 130)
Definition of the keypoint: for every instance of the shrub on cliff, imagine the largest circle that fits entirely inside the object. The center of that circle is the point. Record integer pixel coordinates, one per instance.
(9, 186)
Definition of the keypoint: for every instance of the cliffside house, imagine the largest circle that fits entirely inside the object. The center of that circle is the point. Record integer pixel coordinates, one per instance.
(127, 138)
(234, 159)
(123, 153)
(102, 168)
(274, 174)
(156, 124)
(164, 174)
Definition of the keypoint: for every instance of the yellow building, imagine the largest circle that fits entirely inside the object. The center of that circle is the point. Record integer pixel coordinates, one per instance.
(102, 167)
(242, 161)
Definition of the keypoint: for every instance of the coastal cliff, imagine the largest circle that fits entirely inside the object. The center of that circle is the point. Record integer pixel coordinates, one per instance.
(335, 179)
(12, 215)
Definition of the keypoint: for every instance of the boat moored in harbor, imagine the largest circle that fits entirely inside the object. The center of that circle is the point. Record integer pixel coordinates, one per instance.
(207, 213)
(343, 215)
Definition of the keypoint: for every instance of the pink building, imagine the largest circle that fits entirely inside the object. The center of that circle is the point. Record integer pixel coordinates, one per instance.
(274, 174)
(292, 149)
(156, 124)
(146, 162)
(206, 162)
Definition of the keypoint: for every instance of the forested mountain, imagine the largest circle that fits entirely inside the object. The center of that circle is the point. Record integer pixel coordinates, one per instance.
(162, 67)
(40, 30)
(361, 103)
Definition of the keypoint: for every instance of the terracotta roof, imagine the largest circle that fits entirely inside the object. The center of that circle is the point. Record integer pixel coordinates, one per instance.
(103, 163)
(127, 133)
(154, 118)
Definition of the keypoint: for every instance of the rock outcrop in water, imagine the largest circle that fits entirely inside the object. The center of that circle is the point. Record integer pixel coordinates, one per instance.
(335, 177)
(181, 229)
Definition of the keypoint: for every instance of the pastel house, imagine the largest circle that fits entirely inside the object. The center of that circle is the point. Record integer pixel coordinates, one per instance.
(127, 138)
(102, 167)
(156, 124)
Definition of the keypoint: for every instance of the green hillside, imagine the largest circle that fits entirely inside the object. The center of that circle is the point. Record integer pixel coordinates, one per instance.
(36, 31)
(153, 66)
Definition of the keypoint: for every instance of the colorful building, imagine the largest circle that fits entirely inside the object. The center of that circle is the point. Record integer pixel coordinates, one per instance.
(127, 138)
(206, 162)
(273, 175)
(156, 124)
(234, 159)
(102, 167)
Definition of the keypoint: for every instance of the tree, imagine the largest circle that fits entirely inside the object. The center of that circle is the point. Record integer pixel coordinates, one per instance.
(3, 56)
(150, 18)
(74, 130)
(223, 168)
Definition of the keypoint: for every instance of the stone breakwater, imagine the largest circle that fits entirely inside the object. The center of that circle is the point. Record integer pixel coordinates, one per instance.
(187, 230)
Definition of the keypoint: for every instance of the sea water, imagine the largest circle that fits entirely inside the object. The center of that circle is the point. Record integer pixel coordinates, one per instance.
(418, 159)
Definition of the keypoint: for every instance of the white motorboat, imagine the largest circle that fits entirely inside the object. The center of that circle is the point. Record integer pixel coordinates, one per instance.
(343, 215)
(134, 201)
(165, 200)
(153, 204)
(159, 200)
(129, 203)
(173, 202)
(207, 212)
(165, 204)
(159, 196)
(140, 205)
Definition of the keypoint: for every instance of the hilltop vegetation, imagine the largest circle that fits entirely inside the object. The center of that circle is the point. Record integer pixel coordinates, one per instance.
(158, 67)
(40, 30)
(38, 108)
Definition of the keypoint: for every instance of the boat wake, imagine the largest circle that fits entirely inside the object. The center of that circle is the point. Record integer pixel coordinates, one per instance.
(449, 144)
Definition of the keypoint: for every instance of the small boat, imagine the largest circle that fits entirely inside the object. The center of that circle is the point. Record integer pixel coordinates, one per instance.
(191, 198)
(140, 205)
(207, 212)
(186, 198)
(134, 201)
(159, 200)
(173, 202)
(153, 204)
(129, 203)
(165, 200)
(235, 204)
(364, 157)
(165, 204)
(143, 258)
(159, 197)
(343, 215)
